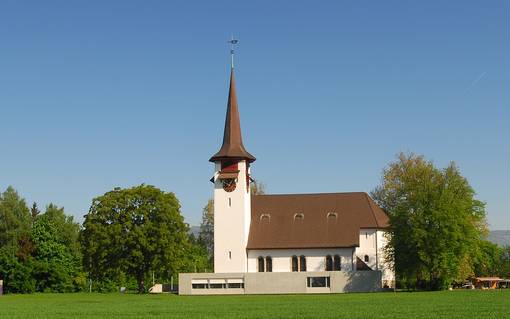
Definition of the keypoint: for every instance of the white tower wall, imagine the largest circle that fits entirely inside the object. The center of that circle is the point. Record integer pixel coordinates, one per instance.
(232, 215)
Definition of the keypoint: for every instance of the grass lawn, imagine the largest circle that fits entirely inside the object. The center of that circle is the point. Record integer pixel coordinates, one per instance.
(446, 304)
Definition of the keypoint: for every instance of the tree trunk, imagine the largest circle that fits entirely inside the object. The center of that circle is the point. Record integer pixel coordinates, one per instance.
(141, 283)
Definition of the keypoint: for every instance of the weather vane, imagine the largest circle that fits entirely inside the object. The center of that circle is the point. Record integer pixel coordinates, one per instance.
(232, 42)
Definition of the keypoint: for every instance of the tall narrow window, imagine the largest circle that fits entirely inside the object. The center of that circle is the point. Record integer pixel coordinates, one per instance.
(329, 263)
(295, 263)
(367, 259)
(229, 202)
(269, 264)
(302, 263)
(261, 264)
(229, 255)
(337, 263)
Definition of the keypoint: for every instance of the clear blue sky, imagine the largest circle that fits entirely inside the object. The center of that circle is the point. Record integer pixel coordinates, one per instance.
(98, 94)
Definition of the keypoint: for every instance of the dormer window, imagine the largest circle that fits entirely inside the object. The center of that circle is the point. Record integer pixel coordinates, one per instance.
(265, 217)
(299, 216)
(332, 216)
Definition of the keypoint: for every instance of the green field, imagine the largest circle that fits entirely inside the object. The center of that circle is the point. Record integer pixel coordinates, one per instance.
(447, 304)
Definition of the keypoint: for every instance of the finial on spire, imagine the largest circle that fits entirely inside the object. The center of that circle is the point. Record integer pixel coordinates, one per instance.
(232, 42)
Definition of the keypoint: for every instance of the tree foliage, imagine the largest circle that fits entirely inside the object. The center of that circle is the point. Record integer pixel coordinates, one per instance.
(206, 235)
(37, 252)
(436, 224)
(257, 188)
(134, 232)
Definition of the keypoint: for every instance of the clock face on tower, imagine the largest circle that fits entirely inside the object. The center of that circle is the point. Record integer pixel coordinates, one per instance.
(229, 185)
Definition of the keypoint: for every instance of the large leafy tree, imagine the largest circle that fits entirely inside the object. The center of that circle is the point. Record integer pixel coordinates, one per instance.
(15, 243)
(135, 231)
(436, 224)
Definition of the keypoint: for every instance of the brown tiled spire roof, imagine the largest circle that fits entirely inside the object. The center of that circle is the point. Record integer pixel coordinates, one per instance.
(232, 138)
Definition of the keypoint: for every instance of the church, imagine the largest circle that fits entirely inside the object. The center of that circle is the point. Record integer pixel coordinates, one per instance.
(292, 243)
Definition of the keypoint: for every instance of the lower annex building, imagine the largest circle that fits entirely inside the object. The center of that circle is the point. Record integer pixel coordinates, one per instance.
(298, 243)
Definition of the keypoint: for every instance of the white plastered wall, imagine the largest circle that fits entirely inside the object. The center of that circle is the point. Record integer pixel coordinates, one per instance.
(368, 242)
(315, 258)
(385, 265)
(372, 243)
(231, 223)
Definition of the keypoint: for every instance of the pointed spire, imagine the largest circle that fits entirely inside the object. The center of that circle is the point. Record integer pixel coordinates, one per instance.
(232, 147)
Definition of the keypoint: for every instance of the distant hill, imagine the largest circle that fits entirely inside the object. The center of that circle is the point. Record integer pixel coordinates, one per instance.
(500, 237)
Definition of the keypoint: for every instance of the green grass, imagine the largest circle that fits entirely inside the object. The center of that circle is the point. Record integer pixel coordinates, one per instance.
(447, 304)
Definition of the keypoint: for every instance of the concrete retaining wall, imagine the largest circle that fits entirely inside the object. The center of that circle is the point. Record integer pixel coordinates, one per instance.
(281, 283)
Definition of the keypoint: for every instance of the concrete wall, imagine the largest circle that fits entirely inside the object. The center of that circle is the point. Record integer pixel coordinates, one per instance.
(284, 283)
(232, 216)
(315, 258)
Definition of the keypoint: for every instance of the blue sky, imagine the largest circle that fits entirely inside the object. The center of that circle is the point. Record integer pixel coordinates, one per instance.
(98, 94)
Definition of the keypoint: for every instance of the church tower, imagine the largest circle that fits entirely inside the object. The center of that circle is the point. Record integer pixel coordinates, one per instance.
(232, 199)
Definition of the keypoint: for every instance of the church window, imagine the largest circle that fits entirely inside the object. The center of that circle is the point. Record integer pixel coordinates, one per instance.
(269, 264)
(302, 263)
(261, 264)
(329, 263)
(229, 255)
(229, 202)
(367, 259)
(295, 263)
(337, 263)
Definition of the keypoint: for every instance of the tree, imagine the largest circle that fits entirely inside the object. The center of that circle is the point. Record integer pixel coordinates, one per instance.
(67, 228)
(488, 261)
(55, 266)
(135, 231)
(14, 219)
(57, 255)
(34, 211)
(206, 235)
(505, 262)
(257, 188)
(436, 223)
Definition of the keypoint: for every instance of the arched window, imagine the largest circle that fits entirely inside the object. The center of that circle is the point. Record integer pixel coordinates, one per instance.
(261, 264)
(329, 263)
(269, 264)
(367, 259)
(337, 263)
(295, 263)
(302, 263)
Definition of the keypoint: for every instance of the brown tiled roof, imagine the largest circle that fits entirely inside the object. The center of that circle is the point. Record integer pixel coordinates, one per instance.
(232, 146)
(302, 221)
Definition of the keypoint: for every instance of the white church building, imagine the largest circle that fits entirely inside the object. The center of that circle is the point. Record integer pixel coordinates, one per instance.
(295, 243)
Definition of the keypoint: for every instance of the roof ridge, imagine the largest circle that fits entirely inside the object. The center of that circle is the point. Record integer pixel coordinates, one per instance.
(288, 194)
